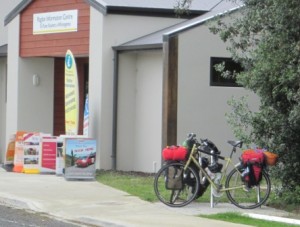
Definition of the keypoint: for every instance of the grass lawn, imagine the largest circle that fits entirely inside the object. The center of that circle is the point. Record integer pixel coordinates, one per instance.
(137, 184)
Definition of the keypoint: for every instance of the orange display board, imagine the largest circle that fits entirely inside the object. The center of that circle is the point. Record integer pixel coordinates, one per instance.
(19, 152)
(10, 152)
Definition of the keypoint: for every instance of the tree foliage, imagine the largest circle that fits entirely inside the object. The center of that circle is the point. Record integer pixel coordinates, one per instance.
(265, 39)
(182, 7)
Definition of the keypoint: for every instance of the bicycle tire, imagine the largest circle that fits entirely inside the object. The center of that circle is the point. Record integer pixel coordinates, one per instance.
(176, 197)
(244, 197)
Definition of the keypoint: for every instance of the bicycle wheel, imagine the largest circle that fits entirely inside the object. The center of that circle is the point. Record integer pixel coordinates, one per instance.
(244, 197)
(176, 195)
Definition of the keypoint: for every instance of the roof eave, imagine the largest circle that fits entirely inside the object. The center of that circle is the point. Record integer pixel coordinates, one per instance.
(172, 33)
(105, 9)
(156, 46)
(152, 12)
(22, 5)
(100, 7)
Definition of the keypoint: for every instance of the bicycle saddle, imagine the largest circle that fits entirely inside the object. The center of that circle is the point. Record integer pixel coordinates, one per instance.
(235, 143)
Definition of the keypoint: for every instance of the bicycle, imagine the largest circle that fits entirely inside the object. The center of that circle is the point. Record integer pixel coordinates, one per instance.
(194, 176)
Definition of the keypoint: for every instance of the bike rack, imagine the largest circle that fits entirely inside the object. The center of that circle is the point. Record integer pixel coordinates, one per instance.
(211, 197)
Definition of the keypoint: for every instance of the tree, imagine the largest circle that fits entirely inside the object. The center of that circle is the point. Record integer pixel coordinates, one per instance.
(265, 39)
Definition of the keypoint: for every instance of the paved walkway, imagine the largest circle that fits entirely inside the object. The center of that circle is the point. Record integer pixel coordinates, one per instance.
(91, 202)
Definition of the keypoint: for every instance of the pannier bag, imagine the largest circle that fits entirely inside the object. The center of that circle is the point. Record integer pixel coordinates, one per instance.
(202, 188)
(253, 162)
(174, 178)
(191, 182)
(174, 153)
(252, 156)
(270, 158)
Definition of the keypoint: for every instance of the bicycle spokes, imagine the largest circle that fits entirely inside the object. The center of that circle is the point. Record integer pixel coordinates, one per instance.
(176, 197)
(247, 197)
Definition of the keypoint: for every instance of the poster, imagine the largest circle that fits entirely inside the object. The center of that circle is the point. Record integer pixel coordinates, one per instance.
(48, 154)
(80, 158)
(71, 95)
(31, 149)
(61, 152)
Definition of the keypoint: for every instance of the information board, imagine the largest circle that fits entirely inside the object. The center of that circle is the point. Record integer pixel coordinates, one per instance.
(80, 158)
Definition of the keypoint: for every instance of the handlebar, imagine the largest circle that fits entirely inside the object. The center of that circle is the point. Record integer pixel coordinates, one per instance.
(191, 136)
(214, 150)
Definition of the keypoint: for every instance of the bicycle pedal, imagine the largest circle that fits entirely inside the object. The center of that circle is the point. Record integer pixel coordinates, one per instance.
(219, 187)
(216, 192)
(246, 188)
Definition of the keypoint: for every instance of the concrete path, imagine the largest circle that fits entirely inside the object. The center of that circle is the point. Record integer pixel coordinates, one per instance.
(93, 203)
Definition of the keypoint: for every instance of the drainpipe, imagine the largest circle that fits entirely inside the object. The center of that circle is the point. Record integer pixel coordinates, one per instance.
(115, 110)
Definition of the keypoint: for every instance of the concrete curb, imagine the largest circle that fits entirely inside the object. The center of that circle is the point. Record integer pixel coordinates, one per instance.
(274, 218)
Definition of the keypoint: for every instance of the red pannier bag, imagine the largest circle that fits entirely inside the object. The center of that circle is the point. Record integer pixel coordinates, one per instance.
(254, 160)
(252, 156)
(174, 153)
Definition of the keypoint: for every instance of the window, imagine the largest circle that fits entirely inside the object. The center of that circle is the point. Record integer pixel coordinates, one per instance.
(215, 77)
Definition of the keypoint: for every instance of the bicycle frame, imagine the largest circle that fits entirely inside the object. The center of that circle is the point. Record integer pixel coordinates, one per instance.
(228, 162)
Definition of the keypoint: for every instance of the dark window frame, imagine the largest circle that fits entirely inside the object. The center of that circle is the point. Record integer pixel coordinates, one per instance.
(215, 77)
(86, 79)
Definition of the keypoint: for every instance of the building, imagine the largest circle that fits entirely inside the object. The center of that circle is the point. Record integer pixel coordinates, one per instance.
(6, 6)
(146, 71)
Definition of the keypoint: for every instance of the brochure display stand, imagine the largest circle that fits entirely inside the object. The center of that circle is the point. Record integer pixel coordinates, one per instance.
(73, 156)
(60, 164)
(31, 151)
(19, 153)
(48, 154)
(80, 156)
